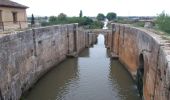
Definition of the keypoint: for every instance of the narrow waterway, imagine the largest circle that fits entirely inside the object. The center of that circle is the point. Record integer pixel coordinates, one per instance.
(91, 76)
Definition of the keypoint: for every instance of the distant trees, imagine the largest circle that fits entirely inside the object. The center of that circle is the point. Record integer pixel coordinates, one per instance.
(85, 21)
(62, 18)
(100, 17)
(96, 24)
(81, 13)
(52, 19)
(163, 22)
(111, 16)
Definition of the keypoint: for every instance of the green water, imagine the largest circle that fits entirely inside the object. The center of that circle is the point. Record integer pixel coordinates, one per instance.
(91, 76)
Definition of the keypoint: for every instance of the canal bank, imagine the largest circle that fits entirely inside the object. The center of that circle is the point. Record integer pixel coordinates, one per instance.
(27, 55)
(91, 76)
(145, 54)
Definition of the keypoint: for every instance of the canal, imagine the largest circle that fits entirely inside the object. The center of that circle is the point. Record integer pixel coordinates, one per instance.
(91, 76)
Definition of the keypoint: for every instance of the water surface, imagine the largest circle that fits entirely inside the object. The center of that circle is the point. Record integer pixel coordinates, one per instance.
(91, 76)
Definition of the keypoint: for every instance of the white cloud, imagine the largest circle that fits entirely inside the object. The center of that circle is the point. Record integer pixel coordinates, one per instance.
(93, 7)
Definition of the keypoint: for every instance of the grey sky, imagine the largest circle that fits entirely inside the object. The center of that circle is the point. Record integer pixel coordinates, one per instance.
(93, 7)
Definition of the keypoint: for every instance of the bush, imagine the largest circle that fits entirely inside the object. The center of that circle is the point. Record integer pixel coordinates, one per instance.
(111, 16)
(85, 22)
(139, 24)
(100, 17)
(96, 25)
(163, 22)
(45, 24)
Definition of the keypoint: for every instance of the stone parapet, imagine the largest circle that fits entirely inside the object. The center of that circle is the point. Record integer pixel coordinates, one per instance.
(146, 56)
(25, 56)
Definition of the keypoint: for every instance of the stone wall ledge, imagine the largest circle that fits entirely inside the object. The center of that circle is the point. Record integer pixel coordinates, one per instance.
(143, 49)
(27, 55)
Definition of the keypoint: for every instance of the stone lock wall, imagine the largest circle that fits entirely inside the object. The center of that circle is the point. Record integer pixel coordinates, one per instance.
(91, 38)
(129, 44)
(26, 56)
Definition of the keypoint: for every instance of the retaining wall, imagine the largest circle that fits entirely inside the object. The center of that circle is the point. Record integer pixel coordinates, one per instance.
(133, 44)
(26, 56)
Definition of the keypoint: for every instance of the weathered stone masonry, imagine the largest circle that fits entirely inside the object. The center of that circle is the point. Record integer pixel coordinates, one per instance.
(144, 54)
(27, 55)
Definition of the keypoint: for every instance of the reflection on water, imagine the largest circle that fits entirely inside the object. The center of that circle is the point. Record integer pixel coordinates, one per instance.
(91, 76)
(85, 53)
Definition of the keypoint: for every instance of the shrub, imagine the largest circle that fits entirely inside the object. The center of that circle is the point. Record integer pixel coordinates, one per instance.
(111, 16)
(100, 17)
(163, 22)
(96, 25)
(85, 22)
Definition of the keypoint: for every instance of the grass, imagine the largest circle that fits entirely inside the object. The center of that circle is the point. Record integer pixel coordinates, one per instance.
(138, 24)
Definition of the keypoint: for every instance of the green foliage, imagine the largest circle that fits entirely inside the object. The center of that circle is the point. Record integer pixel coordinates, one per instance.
(96, 24)
(52, 18)
(139, 24)
(122, 20)
(45, 24)
(62, 16)
(81, 13)
(163, 22)
(100, 17)
(85, 22)
(111, 16)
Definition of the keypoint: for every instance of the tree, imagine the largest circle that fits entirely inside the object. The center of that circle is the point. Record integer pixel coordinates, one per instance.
(163, 22)
(52, 19)
(96, 25)
(45, 17)
(85, 21)
(81, 13)
(100, 17)
(62, 16)
(111, 16)
(32, 20)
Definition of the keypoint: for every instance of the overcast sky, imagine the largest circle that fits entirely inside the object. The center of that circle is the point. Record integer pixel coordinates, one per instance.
(93, 7)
